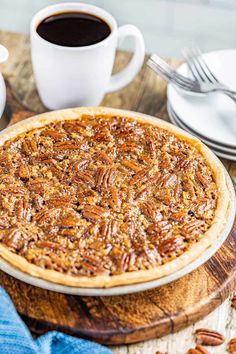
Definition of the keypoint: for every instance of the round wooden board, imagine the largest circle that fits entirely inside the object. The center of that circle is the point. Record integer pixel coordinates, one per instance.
(130, 318)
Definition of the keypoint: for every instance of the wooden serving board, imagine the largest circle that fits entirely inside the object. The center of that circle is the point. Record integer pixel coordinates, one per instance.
(128, 318)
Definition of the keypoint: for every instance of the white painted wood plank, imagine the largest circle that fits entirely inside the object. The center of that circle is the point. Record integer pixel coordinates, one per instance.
(223, 319)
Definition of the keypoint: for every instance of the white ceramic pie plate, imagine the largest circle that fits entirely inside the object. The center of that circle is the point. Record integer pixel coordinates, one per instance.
(128, 289)
(2, 94)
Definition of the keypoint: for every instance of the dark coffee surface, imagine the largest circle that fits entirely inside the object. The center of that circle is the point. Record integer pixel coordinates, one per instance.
(73, 29)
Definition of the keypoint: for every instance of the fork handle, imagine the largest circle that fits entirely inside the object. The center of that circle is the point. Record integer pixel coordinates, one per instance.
(225, 90)
(230, 95)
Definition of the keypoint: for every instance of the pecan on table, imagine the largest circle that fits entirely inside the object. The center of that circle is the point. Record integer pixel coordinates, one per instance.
(232, 346)
(199, 349)
(208, 337)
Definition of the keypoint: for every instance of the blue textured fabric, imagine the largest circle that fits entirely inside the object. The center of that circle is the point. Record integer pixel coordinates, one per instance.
(15, 337)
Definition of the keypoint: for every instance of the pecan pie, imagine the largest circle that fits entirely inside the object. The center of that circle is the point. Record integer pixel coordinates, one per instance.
(96, 197)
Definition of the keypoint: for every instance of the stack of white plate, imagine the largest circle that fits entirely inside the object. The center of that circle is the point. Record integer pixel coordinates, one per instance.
(212, 117)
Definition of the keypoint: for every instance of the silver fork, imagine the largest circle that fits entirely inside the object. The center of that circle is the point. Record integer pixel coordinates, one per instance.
(163, 69)
(202, 73)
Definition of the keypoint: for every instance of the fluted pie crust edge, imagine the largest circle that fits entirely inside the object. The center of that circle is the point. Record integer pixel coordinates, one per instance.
(106, 281)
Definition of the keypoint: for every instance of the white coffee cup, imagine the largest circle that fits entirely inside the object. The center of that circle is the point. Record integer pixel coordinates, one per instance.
(80, 76)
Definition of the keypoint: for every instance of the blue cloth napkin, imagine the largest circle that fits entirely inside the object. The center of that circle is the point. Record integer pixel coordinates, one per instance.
(15, 338)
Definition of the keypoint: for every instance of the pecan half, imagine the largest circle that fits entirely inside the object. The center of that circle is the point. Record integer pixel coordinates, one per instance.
(67, 222)
(48, 244)
(92, 264)
(102, 155)
(74, 126)
(61, 201)
(199, 349)
(105, 178)
(159, 228)
(94, 212)
(232, 346)
(178, 216)
(85, 177)
(151, 213)
(54, 134)
(108, 229)
(131, 165)
(115, 201)
(192, 226)
(47, 215)
(29, 146)
(130, 147)
(202, 179)
(23, 209)
(12, 238)
(152, 148)
(48, 157)
(103, 135)
(139, 178)
(208, 337)
(169, 245)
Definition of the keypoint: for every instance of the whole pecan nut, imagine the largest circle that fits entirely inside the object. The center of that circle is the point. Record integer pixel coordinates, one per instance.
(234, 302)
(208, 337)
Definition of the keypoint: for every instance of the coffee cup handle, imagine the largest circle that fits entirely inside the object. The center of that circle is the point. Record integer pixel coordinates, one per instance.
(125, 76)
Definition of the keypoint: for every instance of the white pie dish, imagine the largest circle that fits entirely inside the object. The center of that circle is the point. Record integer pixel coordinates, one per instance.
(2, 94)
(125, 289)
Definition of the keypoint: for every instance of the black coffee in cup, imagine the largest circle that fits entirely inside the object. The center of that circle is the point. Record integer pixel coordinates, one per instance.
(73, 29)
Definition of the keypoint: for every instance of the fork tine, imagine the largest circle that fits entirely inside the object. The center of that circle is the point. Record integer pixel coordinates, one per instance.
(192, 65)
(197, 59)
(205, 67)
(205, 77)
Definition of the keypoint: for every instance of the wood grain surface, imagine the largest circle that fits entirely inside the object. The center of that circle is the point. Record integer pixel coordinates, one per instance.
(130, 318)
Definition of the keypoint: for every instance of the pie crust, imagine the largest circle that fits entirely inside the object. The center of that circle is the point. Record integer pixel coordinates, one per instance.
(166, 267)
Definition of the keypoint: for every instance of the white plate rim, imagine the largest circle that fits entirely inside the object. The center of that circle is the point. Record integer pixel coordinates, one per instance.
(206, 141)
(220, 153)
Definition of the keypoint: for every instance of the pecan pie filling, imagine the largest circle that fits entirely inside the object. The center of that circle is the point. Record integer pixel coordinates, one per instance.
(103, 195)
